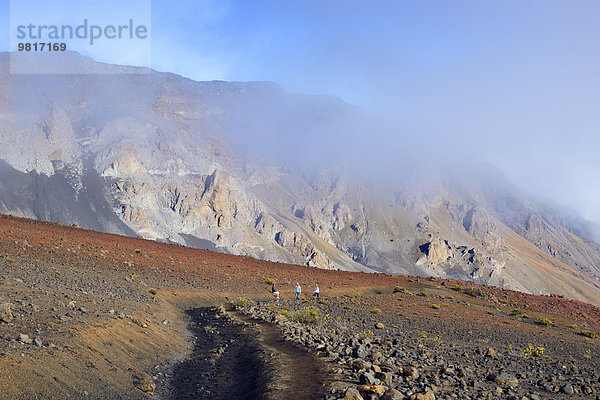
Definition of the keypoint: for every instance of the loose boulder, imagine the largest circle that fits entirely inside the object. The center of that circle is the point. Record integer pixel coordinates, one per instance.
(5, 312)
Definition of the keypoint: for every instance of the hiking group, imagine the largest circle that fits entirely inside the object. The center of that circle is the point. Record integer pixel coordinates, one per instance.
(297, 291)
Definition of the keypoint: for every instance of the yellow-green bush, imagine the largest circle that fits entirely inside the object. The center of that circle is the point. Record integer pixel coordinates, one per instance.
(533, 351)
(308, 315)
(399, 289)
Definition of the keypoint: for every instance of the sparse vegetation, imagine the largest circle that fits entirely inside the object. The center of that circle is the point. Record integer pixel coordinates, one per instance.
(589, 334)
(533, 351)
(422, 293)
(475, 292)
(137, 251)
(376, 310)
(241, 302)
(516, 311)
(436, 306)
(285, 311)
(545, 322)
(270, 281)
(399, 289)
(433, 342)
(308, 315)
(457, 287)
(153, 292)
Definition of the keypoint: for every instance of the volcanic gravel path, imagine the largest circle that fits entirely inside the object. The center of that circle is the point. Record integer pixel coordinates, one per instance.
(237, 357)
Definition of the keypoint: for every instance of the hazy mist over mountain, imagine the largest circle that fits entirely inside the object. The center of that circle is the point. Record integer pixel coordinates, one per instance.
(509, 83)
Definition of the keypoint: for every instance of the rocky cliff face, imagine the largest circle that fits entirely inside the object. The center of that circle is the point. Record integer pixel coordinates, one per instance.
(163, 157)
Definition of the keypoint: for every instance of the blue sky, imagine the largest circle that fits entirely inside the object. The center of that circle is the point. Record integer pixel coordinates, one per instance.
(513, 81)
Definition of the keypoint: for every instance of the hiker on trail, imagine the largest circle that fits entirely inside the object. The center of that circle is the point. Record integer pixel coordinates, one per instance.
(298, 290)
(316, 292)
(275, 291)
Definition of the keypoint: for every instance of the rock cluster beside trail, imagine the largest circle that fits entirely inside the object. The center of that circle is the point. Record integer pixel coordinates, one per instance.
(393, 359)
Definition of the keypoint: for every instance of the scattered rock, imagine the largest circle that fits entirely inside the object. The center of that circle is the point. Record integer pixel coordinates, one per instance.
(428, 395)
(410, 372)
(25, 338)
(392, 394)
(379, 325)
(367, 379)
(567, 389)
(490, 353)
(503, 378)
(367, 390)
(352, 394)
(144, 382)
(5, 312)
(384, 377)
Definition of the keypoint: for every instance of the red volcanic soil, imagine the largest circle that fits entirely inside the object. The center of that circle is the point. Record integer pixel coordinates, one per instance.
(106, 307)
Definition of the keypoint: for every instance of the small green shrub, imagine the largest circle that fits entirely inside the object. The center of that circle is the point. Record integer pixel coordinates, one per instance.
(422, 293)
(137, 251)
(473, 292)
(436, 306)
(545, 322)
(376, 310)
(308, 315)
(241, 302)
(399, 289)
(433, 342)
(152, 292)
(270, 281)
(531, 351)
(516, 311)
(589, 334)
(457, 287)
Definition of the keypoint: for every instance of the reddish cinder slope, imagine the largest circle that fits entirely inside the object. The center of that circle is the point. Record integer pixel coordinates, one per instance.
(105, 307)
(168, 265)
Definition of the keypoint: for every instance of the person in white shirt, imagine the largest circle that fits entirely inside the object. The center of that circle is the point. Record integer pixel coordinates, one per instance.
(316, 292)
(298, 290)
